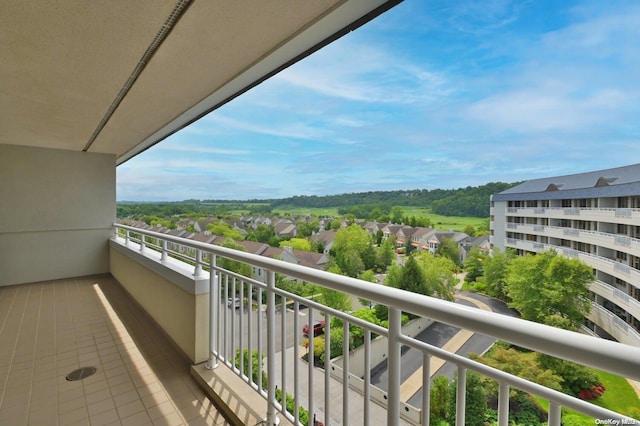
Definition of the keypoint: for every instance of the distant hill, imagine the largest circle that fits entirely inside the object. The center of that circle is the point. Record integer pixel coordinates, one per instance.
(469, 201)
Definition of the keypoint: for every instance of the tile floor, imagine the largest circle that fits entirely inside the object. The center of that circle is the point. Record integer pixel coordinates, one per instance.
(49, 329)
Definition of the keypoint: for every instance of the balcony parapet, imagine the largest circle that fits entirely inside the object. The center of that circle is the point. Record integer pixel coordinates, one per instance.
(622, 243)
(614, 215)
(617, 296)
(223, 324)
(610, 266)
(614, 325)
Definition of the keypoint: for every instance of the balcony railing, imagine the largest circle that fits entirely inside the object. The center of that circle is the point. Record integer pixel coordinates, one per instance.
(258, 330)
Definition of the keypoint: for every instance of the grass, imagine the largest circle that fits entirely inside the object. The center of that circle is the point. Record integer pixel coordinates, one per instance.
(457, 223)
(308, 211)
(619, 397)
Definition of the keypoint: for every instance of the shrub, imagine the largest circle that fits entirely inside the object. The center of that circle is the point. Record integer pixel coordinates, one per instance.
(591, 393)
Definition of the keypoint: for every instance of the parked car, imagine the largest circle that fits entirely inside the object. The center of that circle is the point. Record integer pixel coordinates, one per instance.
(234, 303)
(318, 328)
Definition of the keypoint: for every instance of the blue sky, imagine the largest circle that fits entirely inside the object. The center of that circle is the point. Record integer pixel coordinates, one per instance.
(432, 94)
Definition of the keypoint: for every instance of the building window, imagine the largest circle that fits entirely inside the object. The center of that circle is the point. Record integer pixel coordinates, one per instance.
(620, 255)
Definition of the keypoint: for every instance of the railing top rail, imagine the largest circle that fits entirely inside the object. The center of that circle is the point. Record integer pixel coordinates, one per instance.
(588, 350)
(513, 381)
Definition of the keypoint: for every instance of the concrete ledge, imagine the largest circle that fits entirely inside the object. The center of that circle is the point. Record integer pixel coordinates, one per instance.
(179, 273)
(239, 403)
(182, 313)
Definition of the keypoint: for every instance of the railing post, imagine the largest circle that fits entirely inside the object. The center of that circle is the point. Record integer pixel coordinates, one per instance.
(555, 413)
(126, 237)
(426, 389)
(503, 404)
(198, 270)
(393, 394)
(163, 256)
(345, 374)
(214, 304)
(272, 419)
(142, 243)
(461, 396)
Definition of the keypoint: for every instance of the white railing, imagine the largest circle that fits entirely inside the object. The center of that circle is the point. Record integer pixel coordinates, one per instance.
(252, 330)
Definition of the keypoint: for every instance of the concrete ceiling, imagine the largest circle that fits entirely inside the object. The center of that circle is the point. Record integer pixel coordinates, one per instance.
(119, 76)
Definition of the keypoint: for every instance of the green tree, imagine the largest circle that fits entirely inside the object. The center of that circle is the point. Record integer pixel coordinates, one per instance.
(353, 250)
(476, 401)
(473, 264)
(223, 229)
(262, 234)
(386, 253)
(349, 262)
(396, 214)
(379, 236)
(439, 400)
(393, 276)
(520, 364)
(408, 247)
(449, 248)
(550, 289)
(306, 229)
(234, 265)
(368, 256)
(336, 299)
(412, 278)
(575, 377)
(296, 244)
(469, 230)
(495, 272)
(335, 224)
(484, 228)
(438, 274)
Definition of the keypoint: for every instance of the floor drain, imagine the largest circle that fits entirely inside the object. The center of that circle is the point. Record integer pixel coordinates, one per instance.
(81, 373)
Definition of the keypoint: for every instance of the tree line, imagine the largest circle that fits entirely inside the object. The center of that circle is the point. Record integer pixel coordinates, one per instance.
(469, 202)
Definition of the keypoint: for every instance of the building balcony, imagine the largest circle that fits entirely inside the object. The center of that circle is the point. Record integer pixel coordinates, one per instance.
(601, 239)
(159, 350)
(269, 320)
(612, 215)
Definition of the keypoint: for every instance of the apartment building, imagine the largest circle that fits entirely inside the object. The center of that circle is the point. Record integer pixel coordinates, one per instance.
(593, 216)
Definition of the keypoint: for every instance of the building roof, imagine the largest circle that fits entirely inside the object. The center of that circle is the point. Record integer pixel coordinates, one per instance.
(615, 182)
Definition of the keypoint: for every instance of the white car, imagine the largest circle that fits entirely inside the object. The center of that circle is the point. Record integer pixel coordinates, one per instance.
(234, 303)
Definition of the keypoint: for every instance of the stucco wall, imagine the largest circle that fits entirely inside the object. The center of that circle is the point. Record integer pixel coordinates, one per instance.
(56, 213)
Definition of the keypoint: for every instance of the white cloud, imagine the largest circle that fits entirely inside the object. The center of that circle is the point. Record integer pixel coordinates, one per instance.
(363, 73)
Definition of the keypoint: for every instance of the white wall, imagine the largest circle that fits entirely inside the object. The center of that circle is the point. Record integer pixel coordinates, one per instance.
(499, 237)
(56, 212)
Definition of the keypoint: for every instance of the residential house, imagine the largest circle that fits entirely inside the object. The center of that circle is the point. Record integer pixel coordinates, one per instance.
(326, 238)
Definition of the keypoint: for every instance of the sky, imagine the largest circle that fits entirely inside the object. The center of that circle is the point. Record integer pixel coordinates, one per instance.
(431, 94)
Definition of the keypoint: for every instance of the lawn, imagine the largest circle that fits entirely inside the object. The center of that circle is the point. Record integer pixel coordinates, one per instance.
(438, 221)
(457, 223)
(619, 397)
(308, 211)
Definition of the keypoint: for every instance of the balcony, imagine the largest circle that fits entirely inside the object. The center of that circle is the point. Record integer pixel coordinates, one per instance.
(137, 314)
(612, 215)
(49, 329)
(339, 393)
(625, 244)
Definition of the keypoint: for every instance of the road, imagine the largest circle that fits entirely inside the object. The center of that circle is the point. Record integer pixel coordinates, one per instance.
(464, 342)
(439, 335)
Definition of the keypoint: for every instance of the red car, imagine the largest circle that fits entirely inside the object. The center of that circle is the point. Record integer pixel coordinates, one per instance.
(318, 328)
